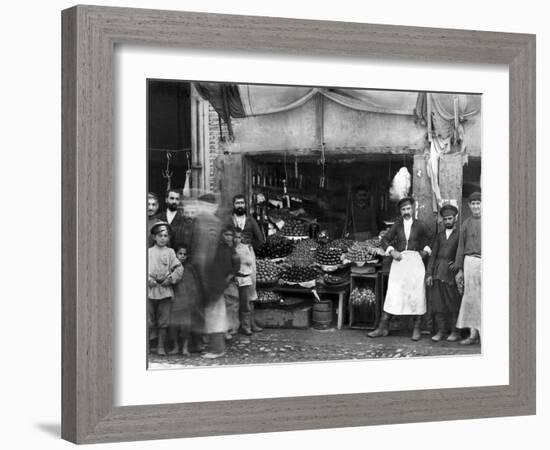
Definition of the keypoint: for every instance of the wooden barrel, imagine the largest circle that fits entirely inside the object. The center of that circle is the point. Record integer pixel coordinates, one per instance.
(321, 317)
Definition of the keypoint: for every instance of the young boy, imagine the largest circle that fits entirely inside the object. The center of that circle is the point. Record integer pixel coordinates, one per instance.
(243, 263)
(164, 270)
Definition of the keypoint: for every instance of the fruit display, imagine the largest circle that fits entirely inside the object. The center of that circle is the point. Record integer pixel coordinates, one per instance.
(294, 228)
(299, 274)
(342, 243)
(303, 253)
(267, 271)
(276, 246)
(362, 296)
(363, 251)
(268, 296)
(329, 255)
(339, 277)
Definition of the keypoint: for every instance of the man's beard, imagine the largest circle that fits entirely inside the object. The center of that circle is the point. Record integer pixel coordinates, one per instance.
(172, 206)
(240, 211)
(449, 225)
(406, 216)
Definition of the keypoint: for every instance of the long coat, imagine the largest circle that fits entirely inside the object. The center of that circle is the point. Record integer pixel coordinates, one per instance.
(443, 252)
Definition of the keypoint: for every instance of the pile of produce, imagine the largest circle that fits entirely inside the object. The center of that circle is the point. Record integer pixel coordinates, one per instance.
(276, 246)
(300, 274)
(294, 228)
(268, 296)
(342, 243)
(268, 272)
(303, 253)
(363, 251)
(362, 296)
(329, 255)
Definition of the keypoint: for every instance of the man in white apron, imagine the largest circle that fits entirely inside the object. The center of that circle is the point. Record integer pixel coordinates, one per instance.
(468, 278)
(407, 243)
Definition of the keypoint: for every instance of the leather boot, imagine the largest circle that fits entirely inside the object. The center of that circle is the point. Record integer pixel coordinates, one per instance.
(416, 330)
(455, 333)
(441, 327)
(245, 324)
(253, 325)
(382, 329)
(161, 342)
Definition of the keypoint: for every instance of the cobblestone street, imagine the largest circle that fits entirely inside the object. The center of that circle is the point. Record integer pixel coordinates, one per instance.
(292, 345)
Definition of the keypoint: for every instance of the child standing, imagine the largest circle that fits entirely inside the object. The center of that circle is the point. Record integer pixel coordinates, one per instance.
(185, 294)
(244, 266)
(164, 270)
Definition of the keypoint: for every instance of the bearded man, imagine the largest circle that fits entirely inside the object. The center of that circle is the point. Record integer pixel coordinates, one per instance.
(407, 243)
(440, 276)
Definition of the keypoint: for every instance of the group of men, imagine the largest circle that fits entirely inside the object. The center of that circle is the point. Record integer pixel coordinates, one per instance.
(453, 273)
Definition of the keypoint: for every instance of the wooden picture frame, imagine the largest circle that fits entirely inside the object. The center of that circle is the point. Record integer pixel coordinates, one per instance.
(89, 37)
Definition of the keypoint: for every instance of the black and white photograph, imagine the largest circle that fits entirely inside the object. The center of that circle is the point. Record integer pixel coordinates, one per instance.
(292, 224)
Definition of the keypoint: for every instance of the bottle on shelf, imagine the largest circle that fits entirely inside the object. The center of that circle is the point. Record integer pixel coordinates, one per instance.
(286, 197)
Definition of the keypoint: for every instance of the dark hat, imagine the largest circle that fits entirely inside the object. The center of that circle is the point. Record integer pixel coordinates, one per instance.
(448, 207)
(404, 201)
(160, 226)
(474, 196)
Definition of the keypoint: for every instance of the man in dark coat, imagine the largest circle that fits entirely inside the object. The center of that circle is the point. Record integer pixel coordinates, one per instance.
(247, 224)
(407, 243)
(172, 215)
(440, 276)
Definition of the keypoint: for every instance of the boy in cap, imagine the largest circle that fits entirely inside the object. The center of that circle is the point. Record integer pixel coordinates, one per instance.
(468, 277)
(440, 276)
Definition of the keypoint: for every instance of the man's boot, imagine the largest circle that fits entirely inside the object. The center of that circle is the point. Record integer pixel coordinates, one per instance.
(441, 327)
(455, 333)
(253, 325)
(416, 330)
(161, 351)
(382, 329)
(245, 324)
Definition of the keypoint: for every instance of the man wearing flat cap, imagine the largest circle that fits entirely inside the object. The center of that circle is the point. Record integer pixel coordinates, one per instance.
(440, 276)
(468, 277)
(407, 243)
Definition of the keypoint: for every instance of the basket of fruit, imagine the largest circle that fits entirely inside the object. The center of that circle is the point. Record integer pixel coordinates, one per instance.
(329, 257)
(362, 297)
(267, 272)
(275, 247)
(268, 296)
(361, 253)
(295, 229)
(300, 275)
(303, 253)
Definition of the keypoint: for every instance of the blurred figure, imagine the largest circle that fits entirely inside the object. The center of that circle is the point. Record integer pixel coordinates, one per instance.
(185, 294)
(363, 217)
(203, 245)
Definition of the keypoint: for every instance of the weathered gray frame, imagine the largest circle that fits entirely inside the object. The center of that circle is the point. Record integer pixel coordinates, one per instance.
(89, 36)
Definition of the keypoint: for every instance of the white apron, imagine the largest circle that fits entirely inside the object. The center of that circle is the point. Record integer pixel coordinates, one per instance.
(470, 308)
(406, 293)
